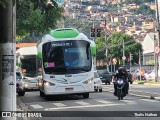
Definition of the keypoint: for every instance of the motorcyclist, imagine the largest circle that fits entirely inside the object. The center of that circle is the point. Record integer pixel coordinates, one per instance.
(121, 73)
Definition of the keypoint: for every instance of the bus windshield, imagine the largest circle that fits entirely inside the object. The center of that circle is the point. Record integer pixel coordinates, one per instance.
(69, 56)
(29, 64)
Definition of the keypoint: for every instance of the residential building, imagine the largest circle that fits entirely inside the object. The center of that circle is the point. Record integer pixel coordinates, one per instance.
(148, 45)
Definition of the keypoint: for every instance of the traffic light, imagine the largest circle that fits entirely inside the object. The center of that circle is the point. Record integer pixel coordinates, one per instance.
(98, 32)
(92, 32)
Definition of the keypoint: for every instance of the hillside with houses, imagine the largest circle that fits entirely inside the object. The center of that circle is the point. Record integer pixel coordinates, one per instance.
(120, 16)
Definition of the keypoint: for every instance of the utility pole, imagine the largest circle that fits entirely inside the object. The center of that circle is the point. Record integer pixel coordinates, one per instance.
(106, 42)
(140, 67)
(130, 59)
(123, 53)
(8, 57)
(158, 34)
(155, 59)
(94, 28)
(94, 60)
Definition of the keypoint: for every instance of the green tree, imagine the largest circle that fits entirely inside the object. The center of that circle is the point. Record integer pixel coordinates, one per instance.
(139, 1)
(145, 10)
(35, 17)
(100, 46)
(115, 47)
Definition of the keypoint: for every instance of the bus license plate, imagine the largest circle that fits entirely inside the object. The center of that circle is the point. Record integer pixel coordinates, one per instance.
(68, 89)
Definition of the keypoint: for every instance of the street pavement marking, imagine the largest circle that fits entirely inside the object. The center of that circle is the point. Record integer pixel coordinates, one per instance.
(36, 106)
(82, 103)
(129, 101)
(103, 101)
(59, 104)
(157, 98)
(149, 100)
(86, 106)
(144, 92)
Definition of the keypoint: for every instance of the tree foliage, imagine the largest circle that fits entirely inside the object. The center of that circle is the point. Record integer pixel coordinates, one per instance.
(115, 47)
(36, 16)
(139, 1)
(145, 10)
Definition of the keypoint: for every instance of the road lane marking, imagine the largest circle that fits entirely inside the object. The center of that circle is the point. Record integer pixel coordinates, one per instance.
(36, 106)
(59, 104)
(149, 100)
(129, 101)
(144, 96)
(82, 103)
(134, 94)
(87, 106)
(144, 92)
(103, 101)
(157, 98)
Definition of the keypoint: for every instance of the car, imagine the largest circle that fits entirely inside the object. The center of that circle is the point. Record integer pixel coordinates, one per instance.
(31, 83)
(20, 84)
(105, 76)
(97, 82)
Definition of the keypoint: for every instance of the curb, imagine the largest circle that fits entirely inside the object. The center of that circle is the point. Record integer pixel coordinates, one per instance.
(150, 84)
(144, 84)
(21, 106)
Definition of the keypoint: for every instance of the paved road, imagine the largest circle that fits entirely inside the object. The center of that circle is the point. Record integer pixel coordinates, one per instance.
(138, 89)
(104, 101)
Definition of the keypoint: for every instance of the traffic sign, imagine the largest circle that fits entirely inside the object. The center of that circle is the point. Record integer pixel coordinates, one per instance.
(157, 49)
(124, 58)
(114, 61)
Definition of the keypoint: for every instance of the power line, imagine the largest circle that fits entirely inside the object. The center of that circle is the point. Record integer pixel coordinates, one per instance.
(117, 45)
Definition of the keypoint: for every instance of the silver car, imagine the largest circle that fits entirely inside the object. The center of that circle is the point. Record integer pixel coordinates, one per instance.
(97, 82)
(31, 83)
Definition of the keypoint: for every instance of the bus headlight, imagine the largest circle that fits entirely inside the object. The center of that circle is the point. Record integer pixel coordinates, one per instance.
(88, 81)
(26, 85)
(46, 83)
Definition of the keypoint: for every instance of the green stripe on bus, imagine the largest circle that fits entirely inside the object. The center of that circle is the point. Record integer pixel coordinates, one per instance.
(39, 55)
(64, 33)
(93, 50)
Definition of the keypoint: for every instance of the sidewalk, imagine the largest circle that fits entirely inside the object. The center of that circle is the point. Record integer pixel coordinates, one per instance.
(21, 106)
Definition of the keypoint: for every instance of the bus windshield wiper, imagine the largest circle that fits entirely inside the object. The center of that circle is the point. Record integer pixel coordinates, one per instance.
(77, 68)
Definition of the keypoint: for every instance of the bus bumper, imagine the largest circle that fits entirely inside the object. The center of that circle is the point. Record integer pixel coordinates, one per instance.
(62, 90)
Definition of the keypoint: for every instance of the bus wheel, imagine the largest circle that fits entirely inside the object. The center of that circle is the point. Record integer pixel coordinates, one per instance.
(86, 95)
(96, 90)
(41, 94)
(100, 90)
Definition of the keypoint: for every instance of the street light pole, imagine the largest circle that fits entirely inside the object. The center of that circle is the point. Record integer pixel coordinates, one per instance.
(106, 42)
(158, 34)
(123, 53)
(155, 59)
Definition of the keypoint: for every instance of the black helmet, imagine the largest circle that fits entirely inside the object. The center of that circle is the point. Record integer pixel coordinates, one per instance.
(121, 70)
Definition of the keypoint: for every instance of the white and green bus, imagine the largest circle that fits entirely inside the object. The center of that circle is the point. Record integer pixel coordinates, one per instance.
(67, 59)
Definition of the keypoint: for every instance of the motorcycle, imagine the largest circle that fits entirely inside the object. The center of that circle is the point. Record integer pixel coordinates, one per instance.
(120, 88)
